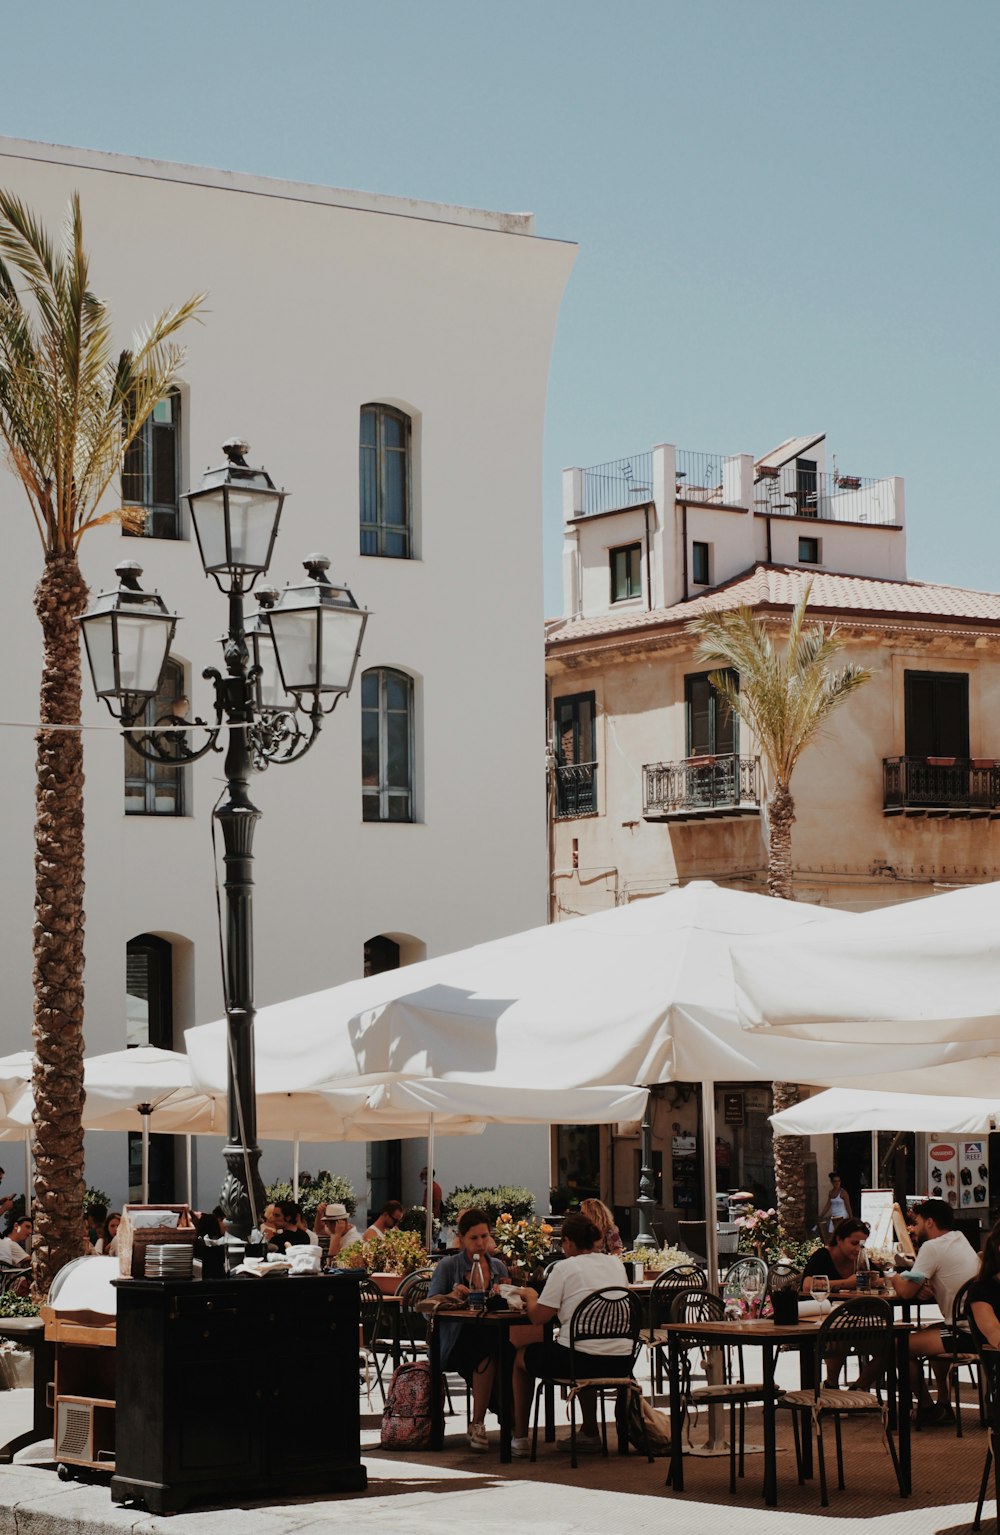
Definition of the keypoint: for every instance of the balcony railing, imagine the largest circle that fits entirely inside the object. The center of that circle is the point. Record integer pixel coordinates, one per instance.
(940, 786)
(699, 476)
(701, 786)
(576, 789)
(788, 492)
(620, 483)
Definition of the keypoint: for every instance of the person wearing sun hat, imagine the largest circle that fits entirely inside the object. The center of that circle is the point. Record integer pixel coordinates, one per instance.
(343, 1232)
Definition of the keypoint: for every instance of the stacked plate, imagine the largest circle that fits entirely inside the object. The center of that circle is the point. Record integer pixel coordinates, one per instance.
(169, 1260)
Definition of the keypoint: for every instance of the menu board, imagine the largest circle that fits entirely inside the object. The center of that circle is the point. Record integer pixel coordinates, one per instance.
(876, 1212)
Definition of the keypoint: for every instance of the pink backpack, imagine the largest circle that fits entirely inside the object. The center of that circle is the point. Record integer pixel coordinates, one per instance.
(406, 1421)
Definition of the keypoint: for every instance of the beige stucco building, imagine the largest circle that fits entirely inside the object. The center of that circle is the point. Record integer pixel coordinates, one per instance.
(652, 785)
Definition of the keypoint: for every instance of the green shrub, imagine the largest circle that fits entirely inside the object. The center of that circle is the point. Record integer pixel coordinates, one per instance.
(415, 1219)
(502, 1200)
(325, 1188)
(96, 1197)
(397, 1252)
(16, 1305)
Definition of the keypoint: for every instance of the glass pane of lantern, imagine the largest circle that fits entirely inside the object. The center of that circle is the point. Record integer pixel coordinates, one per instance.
(251, 523)
(272, 692)
(341, 628)
(295, 641)
(142, 646)
(209, 521)
(98, 635)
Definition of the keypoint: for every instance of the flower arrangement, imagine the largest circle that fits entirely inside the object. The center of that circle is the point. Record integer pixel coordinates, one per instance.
(522, 1242)
(657, 1260)
(761, 1233)
(397, 1252)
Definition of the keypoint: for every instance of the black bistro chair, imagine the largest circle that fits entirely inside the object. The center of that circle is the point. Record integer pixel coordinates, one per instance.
(374, 1349)
(604, 1315)
(733, 1391)
(666, 1286)
(862, 1327)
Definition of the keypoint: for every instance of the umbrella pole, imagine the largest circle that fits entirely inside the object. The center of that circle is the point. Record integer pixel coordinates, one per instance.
(144, 1111)
(27, 1172)
(188, 1170)
(708, 1151)
(295, 1169)
(429, 1196)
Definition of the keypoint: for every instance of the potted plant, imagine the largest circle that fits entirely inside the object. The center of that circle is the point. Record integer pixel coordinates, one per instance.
(522, 1244)
(387, 1258)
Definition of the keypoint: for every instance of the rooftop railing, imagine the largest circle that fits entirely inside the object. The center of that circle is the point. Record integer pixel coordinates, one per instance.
(621, 482)
(792, 492)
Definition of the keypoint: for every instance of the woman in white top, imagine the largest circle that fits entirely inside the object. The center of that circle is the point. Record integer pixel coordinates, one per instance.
(583, 1270)
(836, 1209)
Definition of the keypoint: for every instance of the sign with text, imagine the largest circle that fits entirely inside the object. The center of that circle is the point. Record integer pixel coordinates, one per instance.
(974, 1175)
(733, 1108)
(942, 1171)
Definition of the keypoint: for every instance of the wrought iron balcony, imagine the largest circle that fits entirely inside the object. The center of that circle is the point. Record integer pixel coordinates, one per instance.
(939, 786)
(576, 789)
(701, 787)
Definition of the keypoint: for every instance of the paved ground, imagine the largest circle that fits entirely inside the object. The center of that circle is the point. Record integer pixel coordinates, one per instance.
(460, 1492)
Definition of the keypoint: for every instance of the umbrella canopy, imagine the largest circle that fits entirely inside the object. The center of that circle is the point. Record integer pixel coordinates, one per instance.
(840, 1110)
(919, 972)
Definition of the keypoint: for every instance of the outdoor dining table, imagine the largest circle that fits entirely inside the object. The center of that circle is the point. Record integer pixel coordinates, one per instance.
(29, 1332)
(499, 1324)
(769, 1336)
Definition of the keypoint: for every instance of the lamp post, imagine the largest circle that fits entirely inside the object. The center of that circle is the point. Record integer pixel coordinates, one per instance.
(283, 673)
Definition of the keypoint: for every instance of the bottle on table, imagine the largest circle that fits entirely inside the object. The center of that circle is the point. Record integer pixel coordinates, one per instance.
(864, 1272)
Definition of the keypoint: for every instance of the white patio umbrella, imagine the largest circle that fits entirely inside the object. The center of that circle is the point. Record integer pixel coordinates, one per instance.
(15, 1073)
(919, 972)
(633, 996)
(840, 1110)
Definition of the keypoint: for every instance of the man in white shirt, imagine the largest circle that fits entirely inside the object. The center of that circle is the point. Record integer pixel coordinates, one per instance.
(945, 1261)
(343, 1232)
(581, 1272)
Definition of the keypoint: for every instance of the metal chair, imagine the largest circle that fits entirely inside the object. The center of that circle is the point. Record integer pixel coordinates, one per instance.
(732, 1391)
(373, 1348)
(604, 1315)
(969, 1359)
(686, 1276)
(745, 1269)
(855, 1327)
(989, 1374)
(782, 1274)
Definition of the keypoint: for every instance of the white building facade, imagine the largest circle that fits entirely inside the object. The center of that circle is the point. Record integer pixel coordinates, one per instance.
(387, 360)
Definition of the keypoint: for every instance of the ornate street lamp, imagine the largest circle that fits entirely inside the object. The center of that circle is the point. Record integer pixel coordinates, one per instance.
(284, 671)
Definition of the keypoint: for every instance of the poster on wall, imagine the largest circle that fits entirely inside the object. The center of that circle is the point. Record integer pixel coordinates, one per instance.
(974, 1175)
(943, 1169)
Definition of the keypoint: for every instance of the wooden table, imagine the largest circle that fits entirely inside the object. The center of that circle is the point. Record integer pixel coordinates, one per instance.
(498, 1324)
(769, 1337)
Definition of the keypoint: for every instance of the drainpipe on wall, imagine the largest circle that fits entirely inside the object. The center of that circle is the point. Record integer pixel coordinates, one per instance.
(684, 541)
(649, 572)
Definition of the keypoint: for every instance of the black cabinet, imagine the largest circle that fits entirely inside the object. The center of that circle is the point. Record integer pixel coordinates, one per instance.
(235, 1388)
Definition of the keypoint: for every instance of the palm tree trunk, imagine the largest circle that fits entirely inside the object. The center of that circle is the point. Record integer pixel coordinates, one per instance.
(58, 930)
(789, 1150)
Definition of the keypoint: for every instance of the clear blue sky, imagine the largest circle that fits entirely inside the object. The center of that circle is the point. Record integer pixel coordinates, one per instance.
(787, 212)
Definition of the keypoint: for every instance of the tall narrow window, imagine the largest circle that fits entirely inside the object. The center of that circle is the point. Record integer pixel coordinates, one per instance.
(149, 1020)
(937, 714)
(626, 572)
(699, 564)
(806, 487)
(576, 755)
(712, 729)
(151, 470)
(387, 745)
(156, 788)
(384, 470)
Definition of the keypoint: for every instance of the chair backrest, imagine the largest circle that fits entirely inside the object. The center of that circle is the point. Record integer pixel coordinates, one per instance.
(603, 1315)
(783, 1275)
(744, 1269)
(728, 1237)
(862, 1326)
(687, 1276)
(370, 1298)
(961, 1314)
(696, 1306)
(550, 1263)
(414, 1278)
(694, 1235)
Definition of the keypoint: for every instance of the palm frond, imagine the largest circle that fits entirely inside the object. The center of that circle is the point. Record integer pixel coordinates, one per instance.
(69, 406)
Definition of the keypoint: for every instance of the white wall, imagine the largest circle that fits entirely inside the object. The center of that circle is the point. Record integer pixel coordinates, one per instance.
(319, 301)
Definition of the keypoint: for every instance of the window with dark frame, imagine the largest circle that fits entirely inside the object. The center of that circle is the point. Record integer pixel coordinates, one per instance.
(575, 742)
(713, 730)
(937, 714)
(807, 487)
(700, 564)
(149, 1020)
(156, 788)
(386, 745)
(151, 471)
(384, 471)
(809, 551)
(626, 572)
(384, 1161)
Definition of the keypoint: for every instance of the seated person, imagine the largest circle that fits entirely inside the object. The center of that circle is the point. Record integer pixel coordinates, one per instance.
(984, 1297)
(387, 1219)
(340, 1229)
(14, 1249)
(293, 1231)
(469, 1350)
(106, 1242)
(944, 1262)
(583, 1269)
(839, 1263)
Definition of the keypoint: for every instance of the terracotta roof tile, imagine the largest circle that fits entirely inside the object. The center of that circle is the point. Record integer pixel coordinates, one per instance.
(782, 586)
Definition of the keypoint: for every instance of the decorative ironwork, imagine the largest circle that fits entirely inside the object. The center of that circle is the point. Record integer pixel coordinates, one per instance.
(701, 786)
(576, 789)
(942, 785)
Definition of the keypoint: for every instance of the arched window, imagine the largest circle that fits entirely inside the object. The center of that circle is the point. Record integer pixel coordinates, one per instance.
(156, 788)
(151, 470)
(387, 745)
(384, 468)
(149, 1020)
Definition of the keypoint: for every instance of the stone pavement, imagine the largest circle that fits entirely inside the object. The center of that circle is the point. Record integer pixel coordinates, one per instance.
(457, 1492)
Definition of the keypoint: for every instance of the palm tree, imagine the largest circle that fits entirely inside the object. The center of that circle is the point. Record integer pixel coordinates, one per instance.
(69, 406)
(784, 697)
